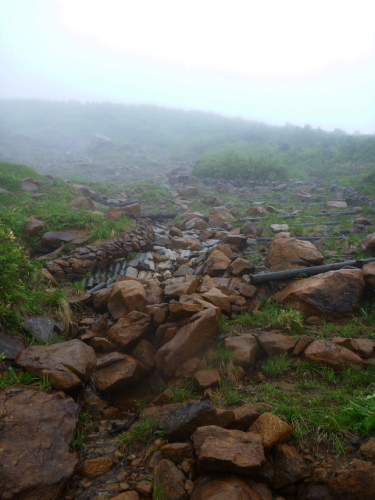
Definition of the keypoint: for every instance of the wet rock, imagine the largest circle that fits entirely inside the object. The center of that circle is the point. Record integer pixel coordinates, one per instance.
(66, 365)
(176, 452)
(277, 343)
(207, 378)
(128, 331)
(117, 371)
(245, 415)
(272, 429)
(223, 450)
(188, 341)
(333, 293)
(56, 239)
(100, 299)
(218, 299)
(10, 345)
(289, 253)
(145, 352)
(170, 480)
(96, 466)
(181, 286)
(332, 355)
(244, 348)
(357, 482)
(289, 466)
(35, 435)
(363, 347)
(126, 296)
(216, 264)
(224, 487)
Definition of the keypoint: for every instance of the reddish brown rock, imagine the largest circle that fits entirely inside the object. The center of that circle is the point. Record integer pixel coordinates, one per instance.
(55, 239)
(369, 273)
(154, 293)
(277, 343)
(134, 210)
(334, 205)
(246, 415)
(66, 365)
(368, 450)
(249, 229)
(188, 341)
(333, 355)
(289, 466)
(100, 299)
(289, 253)
(181, 286)
(207, 378)
(176, 452)
(333, 293)
(117, 371)
(369, 243)
(239, 267)
(244, 348)
(356, 483)
(220, 217)
(196, 223)
(170, 480)
(184, 244)
(35, 436)
(145, 352)
(225, 487)
(128, 331)
(126, 495)
(363, 347)
(272, 429)
(96, 466)
(223, 450)
(127, 296)
(218, 299)
(180, 310)
(216, 264)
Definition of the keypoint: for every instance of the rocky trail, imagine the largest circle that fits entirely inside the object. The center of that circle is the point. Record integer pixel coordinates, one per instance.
(180, 376)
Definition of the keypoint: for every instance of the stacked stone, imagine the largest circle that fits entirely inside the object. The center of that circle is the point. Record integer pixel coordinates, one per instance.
(76, 264)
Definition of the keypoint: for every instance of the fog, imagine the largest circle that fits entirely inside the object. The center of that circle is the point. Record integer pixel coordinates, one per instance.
(272, 61)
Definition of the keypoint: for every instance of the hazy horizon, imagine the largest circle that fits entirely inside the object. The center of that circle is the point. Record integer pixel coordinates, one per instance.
(274, 63)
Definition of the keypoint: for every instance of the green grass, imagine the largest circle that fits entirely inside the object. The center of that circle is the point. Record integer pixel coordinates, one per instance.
(275, 365)
(228, 395)
(182, 394)
(142, 432)
(10, 377)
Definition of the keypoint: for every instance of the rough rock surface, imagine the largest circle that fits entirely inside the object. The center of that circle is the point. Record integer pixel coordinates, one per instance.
(244, 348)
(225, 487)
(288, 253)
(129, 330)
(35, 434)
(272, 429)
(127, 296)
(333, 293)
(333, 355)
(66, 365)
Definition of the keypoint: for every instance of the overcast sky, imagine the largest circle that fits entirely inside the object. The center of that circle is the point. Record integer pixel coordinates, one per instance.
(276, 61)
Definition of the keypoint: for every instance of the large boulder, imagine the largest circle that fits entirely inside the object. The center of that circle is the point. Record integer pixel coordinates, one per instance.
(35, 435)
(288, 253)
(220, 217)
(129, 330)
(188, 341)
(55, 239)
(333, 355)
(216, 264)
(333, 293)
(357, 482)
(66, 365)
(126, 296)
(223, 450)
(244, 348)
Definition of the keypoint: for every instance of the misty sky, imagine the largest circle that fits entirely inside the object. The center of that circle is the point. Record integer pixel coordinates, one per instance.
(275, 61)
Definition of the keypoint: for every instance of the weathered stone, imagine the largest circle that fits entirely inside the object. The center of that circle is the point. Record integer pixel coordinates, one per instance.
(218, 299)
(196, 223)
(184, 244)
(66, 365)
(279, 228)
(357, 482)
(83, 202)
(127, 332)
(145, 352)
(100, 299)
(134, 210)
(10, 345)
(43, 328)
(369, 243)
(368, 449)
(127, 296)
(223, 450)
(224, 487)
(34, 226)
(289, 466)
(96, 466)
(144, 488)
(220, 217)
(55, 239)
(239, 267)
(363, 347)
(244, 348)
(125, 495)
(101, 344)
(207, 378)
(216, 264)
(334, 204)
(188, 342)
(288, 253)
(333, 293)
(115, 373)
(181, 286)
(369, 273)
(272, 429)
(28, 185)
(332, 355)
(237, 240)
(176, 452)
(246, 415)
(35, 436)
(170, 480)
(249, 229)
(277, 343)
(180, 310)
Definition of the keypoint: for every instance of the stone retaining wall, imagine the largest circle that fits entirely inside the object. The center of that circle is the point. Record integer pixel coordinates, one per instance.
(76, 264)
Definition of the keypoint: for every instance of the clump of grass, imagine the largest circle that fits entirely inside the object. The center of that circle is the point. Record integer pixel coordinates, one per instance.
(182, 394)
(228, 394)
(141, 432)
(275, 365)
(11, 377)
(227, 368)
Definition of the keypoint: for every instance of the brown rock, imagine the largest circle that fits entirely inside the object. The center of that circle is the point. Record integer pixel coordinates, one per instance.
(34, 226)
(329, 354)
(288, 253)
(154, 293)
(239, 267)
(220, 217)
(368, 450)
(83, 202)
(369, 243)
(66, 365)
(176, 452)
(223, 450)
(170, 480)
(224, 487)
(358, 483)
(145, 352)
(134, 210)
(276, 343)
(144, 488)
(55, 239)
(35, 435)
(126, 495)
(96, 466)
(117, 371)
(128, 331)
(100, 299)
(180, 310)
(272, 429)
(249, 229)
(289, 466)
(244, 348)
(363, 347)
(196, 223)
(184, 244)
(216, 264)
(333, 205)
(207, 378)
(369, 273)
(127, 296)
(101, 344)
(246, 415)
(333, 293)
(188, 342)
(181, 286)
(218, 299)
